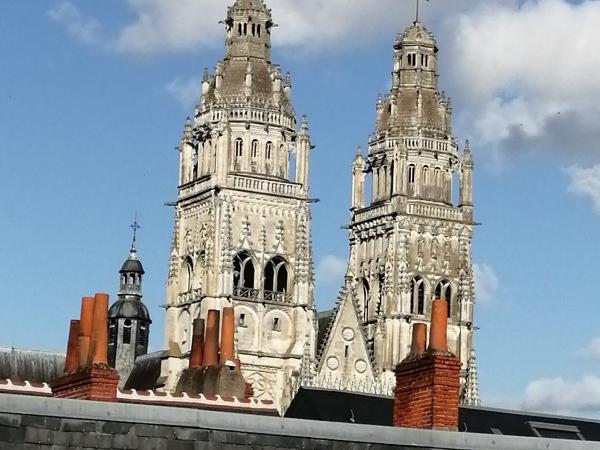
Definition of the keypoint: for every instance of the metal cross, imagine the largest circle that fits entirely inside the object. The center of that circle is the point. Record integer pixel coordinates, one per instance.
(135, 226)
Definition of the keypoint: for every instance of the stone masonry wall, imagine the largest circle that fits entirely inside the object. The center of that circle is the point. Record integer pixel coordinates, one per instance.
(51, 423)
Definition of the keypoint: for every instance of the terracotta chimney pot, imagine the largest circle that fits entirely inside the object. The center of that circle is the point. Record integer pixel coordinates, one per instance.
(438, 340)
(211, 341)
(419, 339)
(99, 343)
(197, 344)
(86, 322)
(72, 360)
(227, 336)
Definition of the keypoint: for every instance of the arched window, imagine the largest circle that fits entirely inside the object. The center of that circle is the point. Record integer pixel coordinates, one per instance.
(239, 29)
(143, 336)
(254, 148)
(269, 150)
(243, 271)
(187, 272)
(276, 275)
(443, 291)
(417, 296)
(258, 30)
(127, 332)
(364, 292)
(239, 148)
(437, 176)
(425, 174)
(245, 29)
(411, 173)
(253, 29)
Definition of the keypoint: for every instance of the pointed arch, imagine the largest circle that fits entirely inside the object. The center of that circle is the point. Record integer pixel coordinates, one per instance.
(443, 291)
(417, 296)
(187, 275)
(243, 271)
(276, 275)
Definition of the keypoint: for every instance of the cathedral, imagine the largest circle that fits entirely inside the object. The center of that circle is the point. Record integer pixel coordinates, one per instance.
(242, 230)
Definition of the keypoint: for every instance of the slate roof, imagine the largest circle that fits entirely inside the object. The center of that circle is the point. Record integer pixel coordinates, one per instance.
(146, 371)
(348, 407)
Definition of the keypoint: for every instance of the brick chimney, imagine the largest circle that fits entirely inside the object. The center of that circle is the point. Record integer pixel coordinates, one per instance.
(428, 382)
(91, 378)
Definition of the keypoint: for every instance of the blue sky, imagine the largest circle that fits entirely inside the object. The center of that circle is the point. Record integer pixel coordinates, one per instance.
(92, 104)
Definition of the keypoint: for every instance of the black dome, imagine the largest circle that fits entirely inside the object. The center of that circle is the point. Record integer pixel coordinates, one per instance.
(129, 309)
(132, 265)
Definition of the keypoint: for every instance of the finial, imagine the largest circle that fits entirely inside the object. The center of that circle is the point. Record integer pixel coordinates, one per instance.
(205, 75)
(359, 151)
(134, 226)
(417, 15)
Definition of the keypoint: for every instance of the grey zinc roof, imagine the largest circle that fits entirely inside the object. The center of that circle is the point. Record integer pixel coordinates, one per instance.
(30, 365)
(129, 309)
(132, 265)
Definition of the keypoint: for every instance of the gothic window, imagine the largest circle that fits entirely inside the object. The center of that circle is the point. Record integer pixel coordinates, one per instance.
(417, 296)
(425, 60)
(363, 292)
(187, 272)
(269, 150)
(443, 291)
(412, 59)
(253, 29)
(245, 29)
(255, 148)
(276, 275)
(243, 271)
(437, 177)
(258, 30)
(127, 332)
(239, 29)
(239, 148)
(411, 173)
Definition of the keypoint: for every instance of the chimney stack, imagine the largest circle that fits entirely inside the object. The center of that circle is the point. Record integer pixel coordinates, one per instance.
(197, 344)
(87, 374)
(428, 383)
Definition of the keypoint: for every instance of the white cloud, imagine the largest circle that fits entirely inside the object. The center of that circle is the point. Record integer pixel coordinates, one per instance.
(486, 283)
(525, 73)
(558, 396)
(331, 269)
(81, 27)
(162, 26)
(185, 91)
(592, 350)
(585, 181)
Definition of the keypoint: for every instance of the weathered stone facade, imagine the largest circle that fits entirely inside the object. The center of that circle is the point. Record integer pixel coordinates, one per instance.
(242, 219)
(410, 242)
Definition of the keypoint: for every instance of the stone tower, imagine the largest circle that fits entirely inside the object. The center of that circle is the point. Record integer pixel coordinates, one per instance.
(410, 242)
(242, 220)
(128, 319)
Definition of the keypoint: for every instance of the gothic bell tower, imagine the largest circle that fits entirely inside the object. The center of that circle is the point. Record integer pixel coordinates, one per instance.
(410, 237)
(242, 217)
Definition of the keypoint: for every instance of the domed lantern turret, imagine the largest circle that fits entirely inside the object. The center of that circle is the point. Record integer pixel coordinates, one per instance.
(129, 319)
